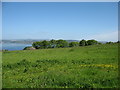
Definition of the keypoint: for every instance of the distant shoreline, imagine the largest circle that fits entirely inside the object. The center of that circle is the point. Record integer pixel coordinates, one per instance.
(13, 46)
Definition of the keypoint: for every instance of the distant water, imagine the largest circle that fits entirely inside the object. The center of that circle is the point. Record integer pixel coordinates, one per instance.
(13, 46)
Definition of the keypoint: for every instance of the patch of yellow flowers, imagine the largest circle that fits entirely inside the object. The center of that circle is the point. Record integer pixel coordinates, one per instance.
(99, 65)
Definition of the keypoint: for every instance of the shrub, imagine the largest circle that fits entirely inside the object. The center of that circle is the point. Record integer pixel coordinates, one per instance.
(29, 48)
(83, 43)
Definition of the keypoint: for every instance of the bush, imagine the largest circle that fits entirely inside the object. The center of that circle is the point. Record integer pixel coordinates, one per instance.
(73, 44)
(29, 48)
(109, 42)
(83, 43)
(92, 42)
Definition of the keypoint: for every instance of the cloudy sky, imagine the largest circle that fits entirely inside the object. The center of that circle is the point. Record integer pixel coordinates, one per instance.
(60, 20)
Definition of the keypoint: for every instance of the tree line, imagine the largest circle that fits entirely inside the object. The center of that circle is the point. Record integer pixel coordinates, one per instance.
(62, 43)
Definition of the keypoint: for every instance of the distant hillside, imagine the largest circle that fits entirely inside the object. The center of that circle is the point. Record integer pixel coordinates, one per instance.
(30, 41)
(27, 41)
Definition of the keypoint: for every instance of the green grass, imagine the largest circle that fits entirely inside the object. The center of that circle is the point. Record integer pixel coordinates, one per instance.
(79, 67)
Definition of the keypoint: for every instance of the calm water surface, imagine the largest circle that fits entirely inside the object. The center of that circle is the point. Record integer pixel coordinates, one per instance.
(13, 46)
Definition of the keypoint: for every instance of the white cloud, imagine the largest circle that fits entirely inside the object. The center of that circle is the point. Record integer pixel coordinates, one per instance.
(107, 36)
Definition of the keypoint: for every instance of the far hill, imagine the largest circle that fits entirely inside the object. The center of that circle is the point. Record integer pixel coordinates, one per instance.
(30, 41)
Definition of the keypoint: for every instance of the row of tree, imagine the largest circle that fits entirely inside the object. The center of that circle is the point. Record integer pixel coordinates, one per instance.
(62, 43)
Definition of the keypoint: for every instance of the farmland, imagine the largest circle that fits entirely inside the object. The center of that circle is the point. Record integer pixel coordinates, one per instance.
(93, 66)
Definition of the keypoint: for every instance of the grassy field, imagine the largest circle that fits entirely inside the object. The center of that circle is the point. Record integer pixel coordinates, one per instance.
(79, 67)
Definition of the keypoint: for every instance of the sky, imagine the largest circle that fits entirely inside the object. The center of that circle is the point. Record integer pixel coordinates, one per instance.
(60, 20)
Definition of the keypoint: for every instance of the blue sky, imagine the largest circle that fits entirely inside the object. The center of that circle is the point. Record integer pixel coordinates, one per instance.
(61, 20)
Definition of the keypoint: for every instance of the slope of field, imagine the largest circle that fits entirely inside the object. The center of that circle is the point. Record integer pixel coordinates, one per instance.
(79, 67)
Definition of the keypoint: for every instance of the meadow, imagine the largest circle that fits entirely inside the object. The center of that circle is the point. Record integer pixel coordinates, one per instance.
(94, 66)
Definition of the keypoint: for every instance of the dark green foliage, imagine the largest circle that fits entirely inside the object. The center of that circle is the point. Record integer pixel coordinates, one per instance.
(36, 45)
(61, 43)
(41, 44)
(109, 42)
(92, 42)
(5, 50)
(73, 44)
(23, 62)
(50, 44)
(44, 44)
(25, 70)
(83, 43)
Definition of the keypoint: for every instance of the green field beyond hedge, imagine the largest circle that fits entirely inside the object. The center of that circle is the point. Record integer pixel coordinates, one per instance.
(93, 66)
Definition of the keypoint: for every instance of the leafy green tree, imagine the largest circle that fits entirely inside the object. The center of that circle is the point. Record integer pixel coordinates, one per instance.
(41, 44)
(36, 45)
(83, 43)
(45, 44)
(92, 42)
(61, 43)
(52, 43)
(109, 42)
(73, 44)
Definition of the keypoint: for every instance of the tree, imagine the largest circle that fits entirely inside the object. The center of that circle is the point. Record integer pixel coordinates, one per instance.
(41, 44)
(92, 42)
(45, 44)
(61, 43)
(36, 44)
(109, 42)
(73, 44)
(52, 43)
(83, 43)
